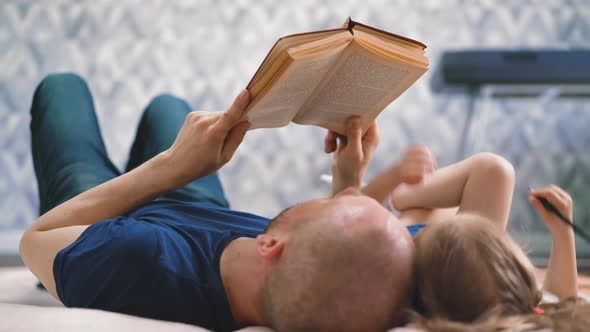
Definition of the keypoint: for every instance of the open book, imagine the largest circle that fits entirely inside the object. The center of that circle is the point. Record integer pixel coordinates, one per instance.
(321, 78)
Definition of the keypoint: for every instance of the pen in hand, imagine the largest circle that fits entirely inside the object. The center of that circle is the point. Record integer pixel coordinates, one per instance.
(551, 208)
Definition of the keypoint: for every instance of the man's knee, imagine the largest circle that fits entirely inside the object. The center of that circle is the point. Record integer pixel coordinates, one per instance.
(52, 84)
(163, 104)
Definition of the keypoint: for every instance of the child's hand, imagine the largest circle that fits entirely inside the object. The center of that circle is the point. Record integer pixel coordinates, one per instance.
(416, 162)
(562, 202)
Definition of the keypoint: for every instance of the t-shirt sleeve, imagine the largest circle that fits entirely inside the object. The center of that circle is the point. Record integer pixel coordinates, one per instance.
(108, 261)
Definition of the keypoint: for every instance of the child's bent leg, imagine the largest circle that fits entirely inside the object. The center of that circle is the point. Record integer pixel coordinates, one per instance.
(482, 184)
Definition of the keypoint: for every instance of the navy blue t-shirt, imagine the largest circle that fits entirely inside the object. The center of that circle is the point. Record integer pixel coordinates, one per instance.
(160, 261)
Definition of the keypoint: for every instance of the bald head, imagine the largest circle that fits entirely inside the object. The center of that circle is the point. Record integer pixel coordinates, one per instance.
(345, 266)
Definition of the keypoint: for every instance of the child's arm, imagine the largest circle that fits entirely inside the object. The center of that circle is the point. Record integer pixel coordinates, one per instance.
(482, 184)
(562, 275)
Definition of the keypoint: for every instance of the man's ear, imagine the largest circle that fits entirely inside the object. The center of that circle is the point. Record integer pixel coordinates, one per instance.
(269, 246)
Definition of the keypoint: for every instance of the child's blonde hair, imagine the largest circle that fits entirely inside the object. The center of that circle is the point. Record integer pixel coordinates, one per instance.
(569, 315)
(468, 268)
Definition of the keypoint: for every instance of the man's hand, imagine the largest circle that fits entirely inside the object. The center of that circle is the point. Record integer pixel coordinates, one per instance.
(206, 142)
(416, 163)
(562, 202)
(351, 153)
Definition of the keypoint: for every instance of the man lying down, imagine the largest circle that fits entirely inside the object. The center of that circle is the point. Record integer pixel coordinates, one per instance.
(160, 240)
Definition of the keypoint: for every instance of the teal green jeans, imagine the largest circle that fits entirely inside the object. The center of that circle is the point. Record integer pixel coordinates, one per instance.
(69, 154)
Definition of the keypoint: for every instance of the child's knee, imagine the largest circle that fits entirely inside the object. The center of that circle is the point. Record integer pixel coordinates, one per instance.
(494, 165)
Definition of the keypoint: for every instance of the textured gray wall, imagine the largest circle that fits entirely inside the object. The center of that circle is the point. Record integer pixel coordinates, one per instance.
(206, 51)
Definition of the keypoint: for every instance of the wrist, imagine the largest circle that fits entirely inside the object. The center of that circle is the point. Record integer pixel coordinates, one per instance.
(339, 185)
(168, 176)
(340, 182)
(563, 234)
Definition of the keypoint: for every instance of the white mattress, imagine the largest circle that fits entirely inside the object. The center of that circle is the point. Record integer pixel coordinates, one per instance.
(24, 308)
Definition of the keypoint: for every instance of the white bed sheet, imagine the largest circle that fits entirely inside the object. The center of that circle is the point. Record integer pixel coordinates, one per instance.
(24, 308)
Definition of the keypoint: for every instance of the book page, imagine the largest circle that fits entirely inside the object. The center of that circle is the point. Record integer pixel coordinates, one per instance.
(389, 50)
(389, 39)
(272, 62)
(359, 84)
(286, 96)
